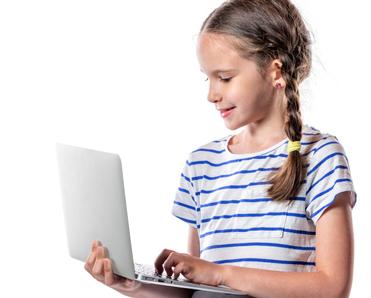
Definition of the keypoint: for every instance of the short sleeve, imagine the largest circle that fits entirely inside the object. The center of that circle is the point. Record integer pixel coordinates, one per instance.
(328, 175)
(185, 206)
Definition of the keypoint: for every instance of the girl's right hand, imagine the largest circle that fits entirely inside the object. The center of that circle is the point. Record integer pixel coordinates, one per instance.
(100, 267)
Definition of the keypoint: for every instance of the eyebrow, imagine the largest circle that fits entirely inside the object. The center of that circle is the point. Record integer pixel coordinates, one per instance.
(220, 70)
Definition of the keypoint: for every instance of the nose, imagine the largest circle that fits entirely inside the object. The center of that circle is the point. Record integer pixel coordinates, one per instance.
(213, 96)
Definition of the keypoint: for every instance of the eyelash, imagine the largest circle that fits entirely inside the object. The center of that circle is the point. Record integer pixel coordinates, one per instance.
(224, 80)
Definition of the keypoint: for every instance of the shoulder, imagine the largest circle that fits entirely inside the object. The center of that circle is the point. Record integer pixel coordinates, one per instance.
(210, 150)
(318, 145)
(324, 155)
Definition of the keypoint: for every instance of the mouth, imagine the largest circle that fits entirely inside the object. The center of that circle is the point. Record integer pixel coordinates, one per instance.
(226, 112)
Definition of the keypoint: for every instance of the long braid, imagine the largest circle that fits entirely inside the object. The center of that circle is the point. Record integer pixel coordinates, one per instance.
(287, 181)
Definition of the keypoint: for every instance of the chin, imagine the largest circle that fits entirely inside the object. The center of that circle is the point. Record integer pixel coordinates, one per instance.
(232, 126)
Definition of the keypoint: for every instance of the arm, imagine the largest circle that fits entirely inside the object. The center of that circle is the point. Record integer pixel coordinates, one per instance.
(334, 263)
(193, 242)
(155, 291)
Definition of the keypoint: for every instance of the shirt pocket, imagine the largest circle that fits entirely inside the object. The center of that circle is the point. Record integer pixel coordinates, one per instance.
(260, 218)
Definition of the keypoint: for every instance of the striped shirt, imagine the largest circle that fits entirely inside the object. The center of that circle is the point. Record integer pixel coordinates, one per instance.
(224, 196)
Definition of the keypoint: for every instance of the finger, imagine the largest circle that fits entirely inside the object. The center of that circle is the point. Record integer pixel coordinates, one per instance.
(109, 278)
(98, 267)
(177, 270)
(161, 259)
(171, 262)
(95, 244)
(101, 252)
(90, 261)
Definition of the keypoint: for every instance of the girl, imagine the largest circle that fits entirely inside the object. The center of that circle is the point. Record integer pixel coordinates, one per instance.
(269, 208)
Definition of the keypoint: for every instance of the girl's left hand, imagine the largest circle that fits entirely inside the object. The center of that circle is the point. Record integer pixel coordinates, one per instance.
(193, 268)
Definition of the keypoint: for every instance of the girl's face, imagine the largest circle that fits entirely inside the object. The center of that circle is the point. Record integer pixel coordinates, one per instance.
(236, 83)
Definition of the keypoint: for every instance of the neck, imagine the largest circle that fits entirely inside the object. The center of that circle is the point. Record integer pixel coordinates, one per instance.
(263, 134)
(268, 129)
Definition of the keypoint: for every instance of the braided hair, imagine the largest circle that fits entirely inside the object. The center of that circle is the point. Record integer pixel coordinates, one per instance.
(264, 30)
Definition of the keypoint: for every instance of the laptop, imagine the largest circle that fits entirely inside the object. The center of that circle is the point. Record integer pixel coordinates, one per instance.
(94, 208)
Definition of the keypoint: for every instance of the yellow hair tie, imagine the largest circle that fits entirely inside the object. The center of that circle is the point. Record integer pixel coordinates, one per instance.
(293, 146)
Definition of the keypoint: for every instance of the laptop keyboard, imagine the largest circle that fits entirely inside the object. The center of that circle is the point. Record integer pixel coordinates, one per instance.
(149, 270)
(148, 273)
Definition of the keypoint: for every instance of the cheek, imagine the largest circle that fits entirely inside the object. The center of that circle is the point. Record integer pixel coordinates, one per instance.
(249, 98)
(240, 92)
(260, 96)
(264, 102)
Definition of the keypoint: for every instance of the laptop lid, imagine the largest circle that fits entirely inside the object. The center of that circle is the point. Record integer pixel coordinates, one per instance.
(93, 198)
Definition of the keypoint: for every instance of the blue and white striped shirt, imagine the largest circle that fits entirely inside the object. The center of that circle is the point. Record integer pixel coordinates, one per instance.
(224, 196)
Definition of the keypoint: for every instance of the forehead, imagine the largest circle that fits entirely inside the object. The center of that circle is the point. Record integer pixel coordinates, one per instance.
(215, 51)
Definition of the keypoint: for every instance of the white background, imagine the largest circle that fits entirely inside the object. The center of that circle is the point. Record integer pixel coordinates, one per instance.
(122, 76)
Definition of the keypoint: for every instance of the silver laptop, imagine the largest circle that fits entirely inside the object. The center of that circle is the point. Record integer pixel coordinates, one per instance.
(95, 208)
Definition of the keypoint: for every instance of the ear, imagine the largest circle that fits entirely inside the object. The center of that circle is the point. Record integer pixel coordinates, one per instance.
(275, 73)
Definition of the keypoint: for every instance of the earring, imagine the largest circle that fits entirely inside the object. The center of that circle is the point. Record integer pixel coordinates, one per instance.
(278, 85)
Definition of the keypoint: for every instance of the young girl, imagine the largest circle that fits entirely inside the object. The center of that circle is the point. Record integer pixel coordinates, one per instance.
(269, 208)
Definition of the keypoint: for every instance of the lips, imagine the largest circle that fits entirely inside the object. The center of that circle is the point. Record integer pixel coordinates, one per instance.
(226, 112)
(225, 109)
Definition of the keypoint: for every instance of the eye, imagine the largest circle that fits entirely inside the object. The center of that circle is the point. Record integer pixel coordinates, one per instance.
(225, 80)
